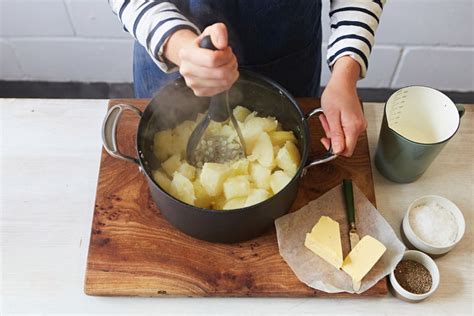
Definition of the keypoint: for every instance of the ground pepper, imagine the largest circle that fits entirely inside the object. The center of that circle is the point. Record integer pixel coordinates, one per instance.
(413, 277)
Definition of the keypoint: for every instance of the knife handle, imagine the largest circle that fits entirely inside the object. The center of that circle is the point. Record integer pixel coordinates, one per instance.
(349, 198)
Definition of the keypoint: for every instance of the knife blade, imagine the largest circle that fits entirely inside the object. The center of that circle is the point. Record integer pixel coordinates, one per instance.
(350, 210)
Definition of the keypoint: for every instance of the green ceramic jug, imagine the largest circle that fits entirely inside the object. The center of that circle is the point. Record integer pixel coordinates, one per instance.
(417, 123)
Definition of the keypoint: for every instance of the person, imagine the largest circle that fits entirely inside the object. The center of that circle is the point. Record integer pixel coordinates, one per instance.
(280, 39)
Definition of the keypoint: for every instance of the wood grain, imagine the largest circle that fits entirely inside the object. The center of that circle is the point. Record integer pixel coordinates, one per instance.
(134, 251)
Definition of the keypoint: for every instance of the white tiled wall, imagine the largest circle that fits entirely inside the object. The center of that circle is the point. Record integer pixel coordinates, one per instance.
(428, 42)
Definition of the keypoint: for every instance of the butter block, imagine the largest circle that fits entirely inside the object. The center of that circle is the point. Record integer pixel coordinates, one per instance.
(362, 258)
(325, 241)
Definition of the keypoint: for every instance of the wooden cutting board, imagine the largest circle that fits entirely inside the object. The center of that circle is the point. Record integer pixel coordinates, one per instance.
(134, 251)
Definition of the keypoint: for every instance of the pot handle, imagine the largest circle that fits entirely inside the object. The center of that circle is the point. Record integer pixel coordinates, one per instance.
(109, 131)
(327, 156)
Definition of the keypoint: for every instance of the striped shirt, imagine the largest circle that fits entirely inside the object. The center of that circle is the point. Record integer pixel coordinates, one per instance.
(353, 26)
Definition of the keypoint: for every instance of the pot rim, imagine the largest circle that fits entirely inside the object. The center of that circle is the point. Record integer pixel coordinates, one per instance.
(295, 178)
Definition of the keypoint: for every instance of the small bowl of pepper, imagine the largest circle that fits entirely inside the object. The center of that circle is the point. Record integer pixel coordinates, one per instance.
(415, 277)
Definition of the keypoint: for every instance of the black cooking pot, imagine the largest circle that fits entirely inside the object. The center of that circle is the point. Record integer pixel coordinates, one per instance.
(175, 103)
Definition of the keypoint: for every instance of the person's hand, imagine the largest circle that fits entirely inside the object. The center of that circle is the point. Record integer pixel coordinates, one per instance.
(205, 71)
(343, 119)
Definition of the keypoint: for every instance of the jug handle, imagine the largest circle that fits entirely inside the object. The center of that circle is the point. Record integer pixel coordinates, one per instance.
(461, 109)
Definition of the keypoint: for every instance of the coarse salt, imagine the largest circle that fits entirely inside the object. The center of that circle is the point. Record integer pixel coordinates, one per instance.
(434, 224)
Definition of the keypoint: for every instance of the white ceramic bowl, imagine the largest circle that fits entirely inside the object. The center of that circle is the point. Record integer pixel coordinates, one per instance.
(420, 244)
(429, 264)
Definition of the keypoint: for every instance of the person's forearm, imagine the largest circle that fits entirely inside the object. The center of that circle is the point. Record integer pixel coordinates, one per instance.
(353, 27)
(150, 23)
(346, 72)
(174, 44)
(343, 119)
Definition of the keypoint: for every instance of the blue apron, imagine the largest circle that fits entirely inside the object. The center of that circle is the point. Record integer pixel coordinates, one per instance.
(276, 38)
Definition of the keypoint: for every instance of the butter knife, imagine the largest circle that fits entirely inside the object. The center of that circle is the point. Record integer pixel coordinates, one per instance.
(349, 198)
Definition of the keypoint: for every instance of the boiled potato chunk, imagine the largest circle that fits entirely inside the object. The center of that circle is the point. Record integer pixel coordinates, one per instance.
(213, 176)
(177, 146)
(263, 151)
(252, 158)
(161, 144)
(276, 149)
(267, 124)
(235, 203)
(279, 180)
(238, 186)
(187, 170)
(241, 113)
(162, 179)
(256, 196)
(260, 175)
(288, 158)
(279, 138)
(240, 167)
(181, 134)
(203, 199)
(185, 128)
(229, 132)
(272, 159)
(250, 135)
(253, 127)
(172, 164)
(250, 116)
(214, 128)
(219, 202)
(182, 189)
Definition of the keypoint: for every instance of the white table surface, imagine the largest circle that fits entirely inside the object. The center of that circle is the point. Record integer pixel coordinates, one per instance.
(50, 152)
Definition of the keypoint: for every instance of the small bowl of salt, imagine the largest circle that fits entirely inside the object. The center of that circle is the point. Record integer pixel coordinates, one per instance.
(433, 224)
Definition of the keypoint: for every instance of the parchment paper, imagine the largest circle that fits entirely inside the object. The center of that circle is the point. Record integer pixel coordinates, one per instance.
(316, 272)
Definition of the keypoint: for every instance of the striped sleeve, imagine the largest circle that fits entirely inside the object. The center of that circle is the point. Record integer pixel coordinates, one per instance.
(353, 26)
(151, 23)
